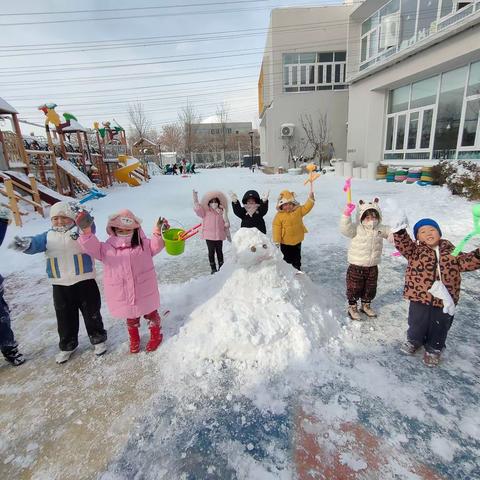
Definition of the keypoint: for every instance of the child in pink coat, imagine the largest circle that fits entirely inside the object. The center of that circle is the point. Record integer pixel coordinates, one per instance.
(215, 225)
(129, 279)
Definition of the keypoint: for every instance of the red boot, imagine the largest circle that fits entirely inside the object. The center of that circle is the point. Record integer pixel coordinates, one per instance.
(134, 339)
(155, 338)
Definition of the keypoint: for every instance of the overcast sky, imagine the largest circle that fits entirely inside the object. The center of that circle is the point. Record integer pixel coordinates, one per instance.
(183, 51)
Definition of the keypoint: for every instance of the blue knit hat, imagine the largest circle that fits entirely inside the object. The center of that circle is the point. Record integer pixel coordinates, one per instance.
(424, 222)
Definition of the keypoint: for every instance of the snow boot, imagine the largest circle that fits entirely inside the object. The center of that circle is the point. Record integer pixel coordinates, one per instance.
(100, 348)
(214, 268)
(409, 348)
(367, 310)
(134, 339)
(431, 359)
(353, 312)
(63, 356)
(155, 338)
(12, 355)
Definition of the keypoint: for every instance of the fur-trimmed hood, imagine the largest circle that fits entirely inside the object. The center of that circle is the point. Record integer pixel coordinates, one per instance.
(214, 194)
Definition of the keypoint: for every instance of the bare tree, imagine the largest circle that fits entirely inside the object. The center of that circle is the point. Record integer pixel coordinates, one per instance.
(171, 137)
(296, 148)
(141, 126)
(187, 117)
(223, 114)
(317, 133)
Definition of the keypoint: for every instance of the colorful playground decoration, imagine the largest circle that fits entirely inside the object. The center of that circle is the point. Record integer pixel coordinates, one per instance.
(132, 172)
(70, 125)
(93, 194)
(474, 232)
(347, 188)
(108, 132)
(312, 176)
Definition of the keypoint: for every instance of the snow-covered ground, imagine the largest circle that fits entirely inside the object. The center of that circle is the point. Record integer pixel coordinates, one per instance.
(314, 397)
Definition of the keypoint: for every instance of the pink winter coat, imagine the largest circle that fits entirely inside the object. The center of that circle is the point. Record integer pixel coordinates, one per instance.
(215, 225)
(129, 279)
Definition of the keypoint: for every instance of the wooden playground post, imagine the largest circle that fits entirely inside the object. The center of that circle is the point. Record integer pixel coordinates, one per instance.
(36, 194)
(21, 147)
(12, 201)
(80, 146)
(51, 146)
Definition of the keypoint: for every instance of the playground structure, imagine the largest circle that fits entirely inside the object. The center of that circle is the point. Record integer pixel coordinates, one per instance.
(70, 161)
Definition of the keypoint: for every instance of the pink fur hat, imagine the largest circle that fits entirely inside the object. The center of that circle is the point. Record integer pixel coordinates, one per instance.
(123, 219)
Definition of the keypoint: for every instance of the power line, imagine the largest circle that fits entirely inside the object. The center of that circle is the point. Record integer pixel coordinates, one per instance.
(178, 5)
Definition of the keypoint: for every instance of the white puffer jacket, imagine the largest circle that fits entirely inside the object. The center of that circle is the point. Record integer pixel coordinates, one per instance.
(367, 242)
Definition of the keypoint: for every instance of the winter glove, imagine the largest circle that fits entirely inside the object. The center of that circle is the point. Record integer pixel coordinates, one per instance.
(195, 196)
(6, 214)
(20, 244)
(350, 207)
(84, 220)
(400, 223)
(265, 196)
(162, 223)
(233, 196)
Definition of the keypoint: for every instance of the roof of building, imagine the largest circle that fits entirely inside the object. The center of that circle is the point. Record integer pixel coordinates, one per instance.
(6, 107)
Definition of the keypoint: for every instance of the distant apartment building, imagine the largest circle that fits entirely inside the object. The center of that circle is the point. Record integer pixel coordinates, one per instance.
(302, 78)
(414, 72)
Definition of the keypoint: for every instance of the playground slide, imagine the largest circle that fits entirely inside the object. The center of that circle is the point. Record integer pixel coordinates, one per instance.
(123, 174)
(46, 194)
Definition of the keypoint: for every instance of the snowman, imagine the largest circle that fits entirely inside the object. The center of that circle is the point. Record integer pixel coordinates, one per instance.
(261, 312)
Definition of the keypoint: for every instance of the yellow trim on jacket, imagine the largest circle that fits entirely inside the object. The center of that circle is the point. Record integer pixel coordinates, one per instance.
(288, 227)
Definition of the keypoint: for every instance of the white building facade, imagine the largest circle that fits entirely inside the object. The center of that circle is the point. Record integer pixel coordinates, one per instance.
(414, 72)
(303, 76)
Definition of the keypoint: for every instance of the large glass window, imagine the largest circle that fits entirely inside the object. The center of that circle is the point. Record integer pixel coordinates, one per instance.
(474, 80)
(424, 93)
(427, 16)
(447, 8)
(398, 99)
(449, 112)
(470, 124)
(426, 129)
(407, 25)
(412, 131)
(400, 132)
(389, 142)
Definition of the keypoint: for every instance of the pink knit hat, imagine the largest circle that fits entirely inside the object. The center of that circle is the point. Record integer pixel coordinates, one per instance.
(123, 219)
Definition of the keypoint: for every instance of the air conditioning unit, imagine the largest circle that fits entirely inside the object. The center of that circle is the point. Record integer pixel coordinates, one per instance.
(389, 30)
(287, 129)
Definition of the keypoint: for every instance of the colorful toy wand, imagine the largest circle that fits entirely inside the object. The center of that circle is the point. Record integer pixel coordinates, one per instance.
(475, 231)
(348, 188)
(312, 176)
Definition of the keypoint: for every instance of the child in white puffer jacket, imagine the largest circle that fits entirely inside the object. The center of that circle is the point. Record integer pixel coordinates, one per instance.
(364, 254)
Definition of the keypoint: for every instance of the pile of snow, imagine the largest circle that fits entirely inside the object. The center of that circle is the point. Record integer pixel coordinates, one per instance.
(263, 312)
(70, 168)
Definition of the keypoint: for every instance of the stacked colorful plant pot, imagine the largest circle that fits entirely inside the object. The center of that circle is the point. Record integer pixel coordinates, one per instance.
(401, 174)
(414, 175)
(382, 172)
(426, 176)
(391, 174)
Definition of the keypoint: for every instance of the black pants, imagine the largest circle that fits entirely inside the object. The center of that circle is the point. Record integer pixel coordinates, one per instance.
(83, 296)
(292, 254)
(215, 247)
(428, 326)
(361, 283)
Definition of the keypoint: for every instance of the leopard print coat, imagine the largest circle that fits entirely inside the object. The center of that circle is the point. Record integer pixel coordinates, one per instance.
(422, 268)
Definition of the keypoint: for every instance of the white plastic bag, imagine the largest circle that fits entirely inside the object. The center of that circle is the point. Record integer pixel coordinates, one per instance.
(439, 290)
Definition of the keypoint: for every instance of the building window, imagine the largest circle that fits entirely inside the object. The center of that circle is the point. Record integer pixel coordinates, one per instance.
(402, 23)
(435, 118)
(304, 72)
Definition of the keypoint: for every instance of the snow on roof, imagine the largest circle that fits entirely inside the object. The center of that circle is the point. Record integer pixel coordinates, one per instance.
(6, 107)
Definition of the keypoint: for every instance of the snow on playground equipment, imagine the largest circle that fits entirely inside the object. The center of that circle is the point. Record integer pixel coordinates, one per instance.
(475, 231)
(175, 238)
(133, 172)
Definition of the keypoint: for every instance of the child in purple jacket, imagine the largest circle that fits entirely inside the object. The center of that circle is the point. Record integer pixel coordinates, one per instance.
(215, 225)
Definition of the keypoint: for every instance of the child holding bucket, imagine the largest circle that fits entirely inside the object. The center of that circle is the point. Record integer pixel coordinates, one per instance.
(130, 282)
(215, 226)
